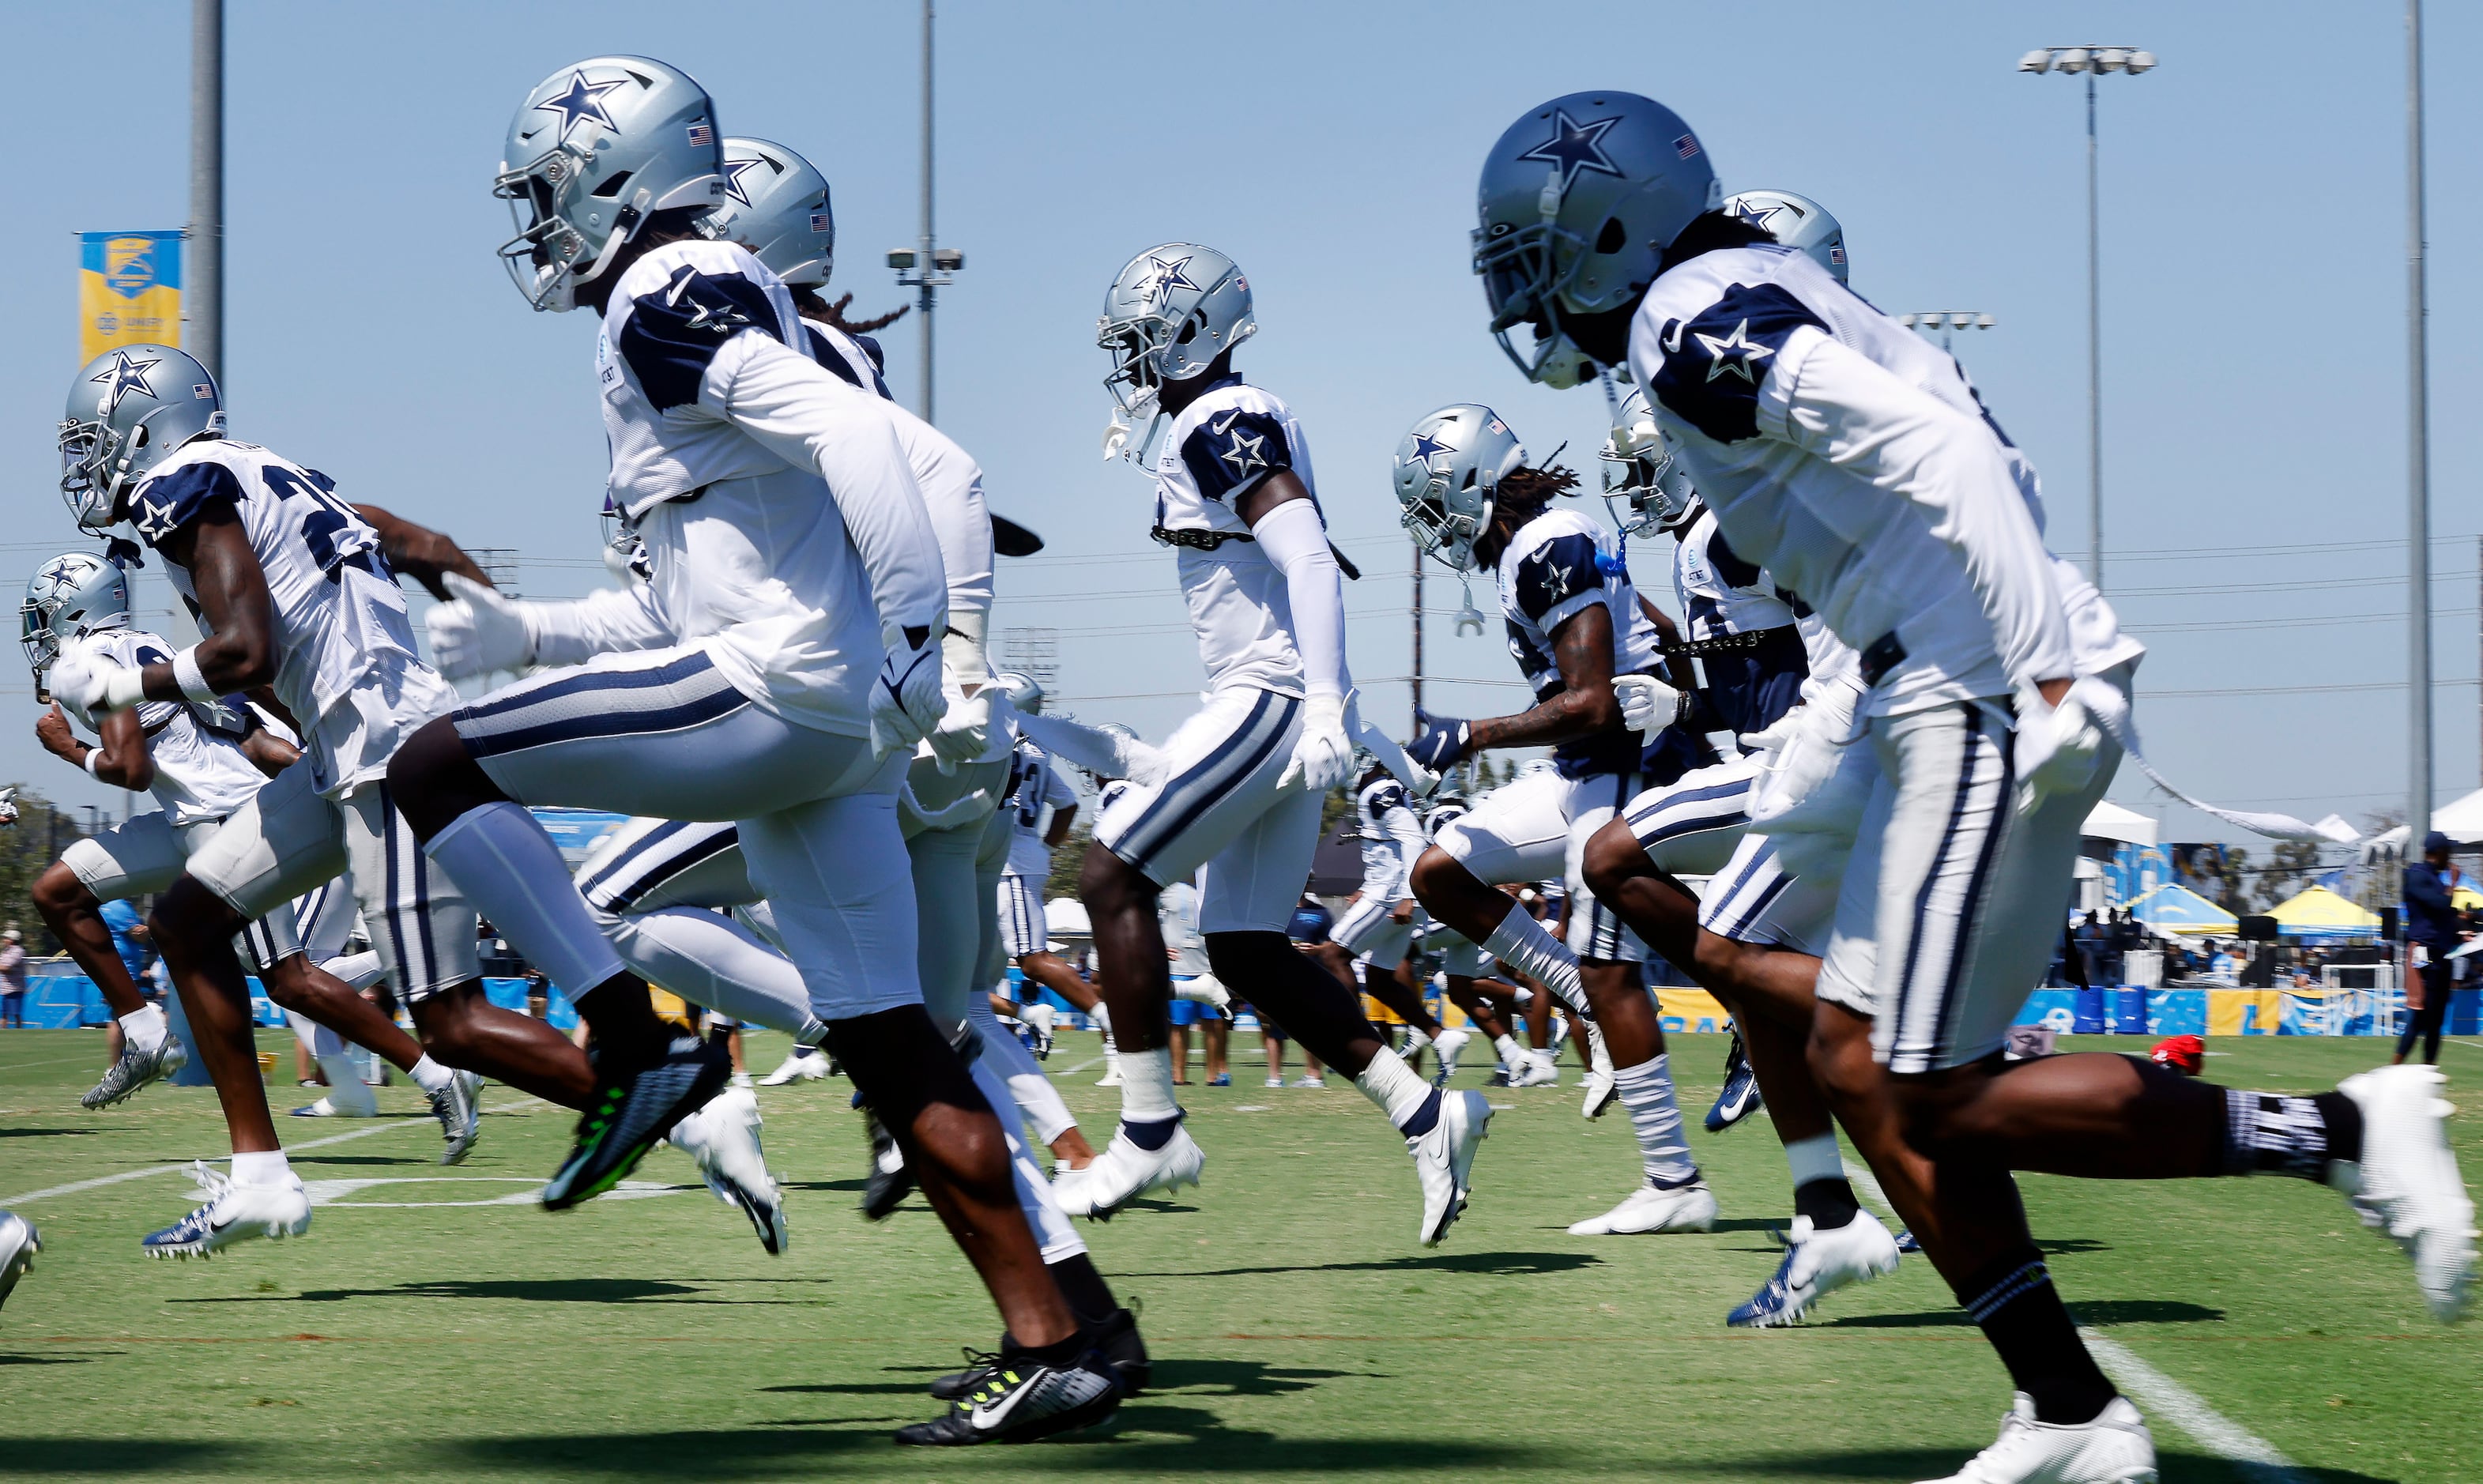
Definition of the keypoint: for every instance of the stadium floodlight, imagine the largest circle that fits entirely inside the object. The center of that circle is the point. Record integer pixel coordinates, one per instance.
(1947, 322)
(2089, 62)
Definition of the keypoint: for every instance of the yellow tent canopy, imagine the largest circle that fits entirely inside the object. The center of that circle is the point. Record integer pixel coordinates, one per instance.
(2316, 907)
(2466, 899)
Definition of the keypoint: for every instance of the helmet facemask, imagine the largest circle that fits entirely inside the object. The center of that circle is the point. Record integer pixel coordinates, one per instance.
(544, 258)
(98, 463)
(1442, 533)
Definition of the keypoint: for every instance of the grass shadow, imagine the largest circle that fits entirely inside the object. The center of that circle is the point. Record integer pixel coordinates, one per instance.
(2104, 1312)
(128, 1458)
(45, 1133)
(1485, 1263)
(52, 1360)
(533, 1290)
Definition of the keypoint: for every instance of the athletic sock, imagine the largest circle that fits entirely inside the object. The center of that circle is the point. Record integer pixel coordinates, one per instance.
(1819, 1190)
(346, 1092)
(1412, 1104)
(1529, 946)
(1509, 1050)
(1089, 1297)
(262, 1168)
(430, 1075)
(1149, 1110)
(1646, 1092)
(513, 875)
(144, 1029)
(2276, 1133)
(2022, 1316)
(813, 1031)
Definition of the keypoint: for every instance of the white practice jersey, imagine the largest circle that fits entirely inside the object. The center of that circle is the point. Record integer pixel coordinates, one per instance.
(1392, 837)
(1177, 914)
(1853, 459)
(346, 665)
(1217, 450)
(1035, 784)
(1556, 566)
(200, 772)
(775, 500)
(1743, 689)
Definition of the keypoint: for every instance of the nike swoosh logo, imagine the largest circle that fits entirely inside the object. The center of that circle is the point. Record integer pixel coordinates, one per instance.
(986, 1420)
(1672, 335)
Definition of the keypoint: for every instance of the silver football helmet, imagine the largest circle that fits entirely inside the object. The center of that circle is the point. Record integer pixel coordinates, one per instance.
(1024, 691)
(1644, 488)
(1448, 470)
(73, 595)
(776, 205)
(595, 150)
(128, 408)
(1170, 311)
(1796, 221)
(1579, 200)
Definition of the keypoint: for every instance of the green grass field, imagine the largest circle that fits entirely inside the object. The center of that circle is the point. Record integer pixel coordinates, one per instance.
(441, 1328)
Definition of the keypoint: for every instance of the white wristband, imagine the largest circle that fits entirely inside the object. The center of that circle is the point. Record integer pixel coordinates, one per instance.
(125, 687)
(192, 681)
(94, 756)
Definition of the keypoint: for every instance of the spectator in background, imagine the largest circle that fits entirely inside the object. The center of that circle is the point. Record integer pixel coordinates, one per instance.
(2094, 939)
(2431, 924)
(12, 979)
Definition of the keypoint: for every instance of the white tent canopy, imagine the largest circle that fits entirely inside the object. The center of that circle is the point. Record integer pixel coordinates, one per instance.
(2109, 821)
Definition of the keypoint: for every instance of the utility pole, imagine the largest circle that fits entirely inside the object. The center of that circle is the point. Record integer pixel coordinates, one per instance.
(2417, 465)
(926, 267)
(1418, 643)
(2095, 359)
(205, 336)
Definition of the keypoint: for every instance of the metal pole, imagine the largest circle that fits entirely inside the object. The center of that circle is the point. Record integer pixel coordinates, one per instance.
(2417, 464)
(2094, 361)
(1418, 642)
(206, 333)
(929, 293)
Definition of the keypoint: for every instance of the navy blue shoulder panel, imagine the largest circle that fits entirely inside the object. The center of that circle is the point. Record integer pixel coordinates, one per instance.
(673, 334)
(1229, 453)
(1557, 571)
(170, 501)
(1713, 364)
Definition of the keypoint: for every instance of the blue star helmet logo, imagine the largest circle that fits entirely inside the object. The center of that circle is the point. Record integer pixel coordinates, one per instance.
(581, 100)
(1162, 277)
(1757, 214)
(734, 171)
(1426, 448)
(126, 374)
(1576, 147)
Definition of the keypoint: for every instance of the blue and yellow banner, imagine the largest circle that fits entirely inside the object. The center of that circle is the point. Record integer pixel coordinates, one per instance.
(129, 290)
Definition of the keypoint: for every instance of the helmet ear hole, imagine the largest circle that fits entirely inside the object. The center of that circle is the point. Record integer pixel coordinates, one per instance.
(611, 190)
(1614, 237)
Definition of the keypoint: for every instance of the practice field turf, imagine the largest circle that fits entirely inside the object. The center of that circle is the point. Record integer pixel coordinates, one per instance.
(434, 1325)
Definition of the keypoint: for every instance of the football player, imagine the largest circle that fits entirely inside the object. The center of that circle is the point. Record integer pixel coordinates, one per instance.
(775, 671)
(1241, 782)
(202, 763)
(1574, 621)
(1378, 929)
(1034, 785)
(1856, 463)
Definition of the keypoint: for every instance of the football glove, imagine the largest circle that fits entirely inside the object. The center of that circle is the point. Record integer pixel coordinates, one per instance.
(2056, 747)
(1324, 759)
(965, 730)
(1648, 705)
(90, 683)
(906, 703)
(1442, 744)
(477, 632)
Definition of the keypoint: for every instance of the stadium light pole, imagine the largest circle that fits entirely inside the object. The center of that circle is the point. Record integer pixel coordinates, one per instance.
(926, 267)
(2417, 463)
(2090, 61)
(205, 293)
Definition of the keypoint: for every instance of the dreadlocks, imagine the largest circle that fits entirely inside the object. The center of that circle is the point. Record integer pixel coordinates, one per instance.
(1533, 488)
(807, 301)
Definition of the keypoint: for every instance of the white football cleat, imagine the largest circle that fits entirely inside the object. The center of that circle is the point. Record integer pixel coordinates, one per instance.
(1816, 1264)
(233, 1213)
(1125, 1171)
(722, 1138)
(2115, 1448)
(1111, 1076)
(1602, 1085)
(802, 1064)
(1445, 1048)
(347, 1106)
(1689, 1207)
(459, 1109)
(1443, 1158)
(19, 1242)
(1535, 1069)
(2407, 1184)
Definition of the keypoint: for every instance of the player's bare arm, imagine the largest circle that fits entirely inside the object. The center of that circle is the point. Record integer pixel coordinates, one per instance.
(1583, 648)
(420, 552)
(239, 651)
(125, 763)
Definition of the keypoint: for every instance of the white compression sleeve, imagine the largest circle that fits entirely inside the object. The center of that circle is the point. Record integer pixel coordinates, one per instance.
(715, 962)
(1047, 1114)
(1531, 948)
(570, 633)
(1293, 538)
(1097, 750)
(513, 873)
(1053, 1232)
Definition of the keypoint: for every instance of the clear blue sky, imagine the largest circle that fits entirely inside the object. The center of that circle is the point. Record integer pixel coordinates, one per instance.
(2255, 371)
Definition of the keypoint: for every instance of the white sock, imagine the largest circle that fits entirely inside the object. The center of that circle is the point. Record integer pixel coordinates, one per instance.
(714, 961)
(1530, 947)
(346, 1093)
(1102, 1016)
(1814, 1158)
(1646, 1090)
(1510, 1053)
(358, 970)
(430, 1075)
(513, 873)
(1146, 1087)
(144, 1029)
(1393, 1085)
(1449, 1044)
(267, 1169)
(1599, 1057)
(1415, 1041)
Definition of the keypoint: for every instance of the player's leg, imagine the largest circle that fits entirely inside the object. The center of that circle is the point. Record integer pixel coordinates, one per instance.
(137, 859)
(1046, 1113)
(1519, 831)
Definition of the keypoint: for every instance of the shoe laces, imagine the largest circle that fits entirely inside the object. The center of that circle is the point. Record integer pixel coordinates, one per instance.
(211, 1181)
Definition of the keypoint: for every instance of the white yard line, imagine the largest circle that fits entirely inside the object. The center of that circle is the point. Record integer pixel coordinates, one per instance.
(2164, 1398)
(391, 1125)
